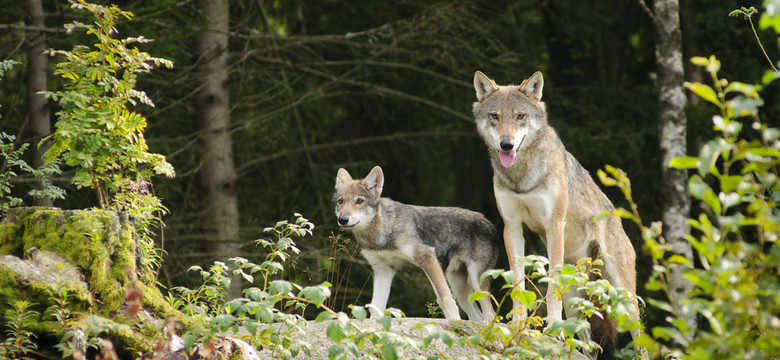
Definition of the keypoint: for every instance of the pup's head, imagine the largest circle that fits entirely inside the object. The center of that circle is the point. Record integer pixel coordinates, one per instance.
(508, 117)
(357, 199)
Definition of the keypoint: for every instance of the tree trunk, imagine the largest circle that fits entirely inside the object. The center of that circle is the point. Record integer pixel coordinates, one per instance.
(217, 174)
(37, 106)
(672, 123)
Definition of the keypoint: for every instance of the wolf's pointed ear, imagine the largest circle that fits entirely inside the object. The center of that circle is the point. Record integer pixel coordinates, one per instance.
(483, 85)
(342, 177)
(532, 86)
(375, 181)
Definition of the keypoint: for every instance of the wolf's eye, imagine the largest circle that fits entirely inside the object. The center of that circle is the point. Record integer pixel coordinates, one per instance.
(520, 116)
(494, 116)
(340, 201)
(359, 201)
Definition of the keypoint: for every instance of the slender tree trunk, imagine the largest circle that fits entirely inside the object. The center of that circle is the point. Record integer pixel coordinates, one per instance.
(672, 122)
(217, 174)
(37, 106)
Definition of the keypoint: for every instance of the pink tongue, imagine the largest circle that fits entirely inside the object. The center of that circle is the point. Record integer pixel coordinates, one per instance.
(506, 158)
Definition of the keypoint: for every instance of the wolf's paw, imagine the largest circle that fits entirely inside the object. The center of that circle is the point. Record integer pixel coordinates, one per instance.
(375, 312)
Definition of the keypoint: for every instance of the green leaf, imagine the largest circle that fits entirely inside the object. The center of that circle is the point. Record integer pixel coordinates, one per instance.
(265, 314)
(699, 61)
(189, 339)
(700, 190)
(684, 162)
(770, 19)
(324, 316)
(317, 294)
(477, 295)
(359, 312)
(525, 297)
(223, 321)
(605, 180)
(703, 91)
(623, 213)
(280, 287)
(385, 321)
(335, 332)
(390, 351)
(678, 259)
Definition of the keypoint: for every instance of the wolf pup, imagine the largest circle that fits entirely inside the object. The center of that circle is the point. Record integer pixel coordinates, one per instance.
(441, 240)
(537, 183)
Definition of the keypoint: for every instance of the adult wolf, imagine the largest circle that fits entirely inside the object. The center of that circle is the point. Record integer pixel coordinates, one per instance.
(539, 184)
(441, 240)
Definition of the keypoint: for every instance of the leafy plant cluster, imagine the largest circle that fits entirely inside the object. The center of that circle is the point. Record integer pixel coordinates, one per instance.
(735, 279)
(269, 314)
(96, 131)
(273, 301)
(13, 162)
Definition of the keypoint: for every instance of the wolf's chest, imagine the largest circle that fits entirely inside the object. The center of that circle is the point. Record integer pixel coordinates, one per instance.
(395, 258)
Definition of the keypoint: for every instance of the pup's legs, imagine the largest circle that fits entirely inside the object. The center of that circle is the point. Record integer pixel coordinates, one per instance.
(458, 278)
(430, 265)
(383, 278)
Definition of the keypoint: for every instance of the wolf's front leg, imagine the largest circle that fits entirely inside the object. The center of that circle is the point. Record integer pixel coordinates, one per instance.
(509, 208)
(515, 250)
(383, 278)
(555, 244)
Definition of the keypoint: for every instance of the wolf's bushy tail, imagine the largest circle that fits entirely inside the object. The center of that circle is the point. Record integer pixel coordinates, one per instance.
(604, 329)
(605, 334)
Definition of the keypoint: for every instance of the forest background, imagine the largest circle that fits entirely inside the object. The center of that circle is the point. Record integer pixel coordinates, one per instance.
(312, 86)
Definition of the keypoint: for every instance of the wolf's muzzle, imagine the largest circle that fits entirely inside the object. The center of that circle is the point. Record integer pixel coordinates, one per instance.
(343, 220)
(506, 145)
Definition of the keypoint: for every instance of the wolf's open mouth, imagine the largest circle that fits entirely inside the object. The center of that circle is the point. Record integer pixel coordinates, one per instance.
(507, 158)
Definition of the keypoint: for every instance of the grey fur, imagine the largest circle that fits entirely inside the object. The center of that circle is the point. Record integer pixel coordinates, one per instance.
(459, 243)
(540, 185)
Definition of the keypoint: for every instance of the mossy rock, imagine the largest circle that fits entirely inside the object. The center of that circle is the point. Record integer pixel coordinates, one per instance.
(41, 279)
(101, 244)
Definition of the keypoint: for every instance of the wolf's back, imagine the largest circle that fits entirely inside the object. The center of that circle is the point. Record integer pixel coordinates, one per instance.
(452, 231)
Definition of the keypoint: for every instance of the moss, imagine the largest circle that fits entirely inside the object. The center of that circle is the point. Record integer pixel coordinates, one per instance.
(100, 243)
(11, 232)
(103, 246)
(9, 287)
(41, 295)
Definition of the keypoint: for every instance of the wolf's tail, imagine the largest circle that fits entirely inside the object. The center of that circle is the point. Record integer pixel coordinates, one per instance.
(604, 330)
(605, 334)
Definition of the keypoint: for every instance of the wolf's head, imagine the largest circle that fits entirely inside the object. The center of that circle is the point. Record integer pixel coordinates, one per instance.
(357, 200)
(509, 117)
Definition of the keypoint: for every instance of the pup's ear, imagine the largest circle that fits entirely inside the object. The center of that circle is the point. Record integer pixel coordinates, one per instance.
(375, 181)
(532, 87)
(483, 85)
(342, 177)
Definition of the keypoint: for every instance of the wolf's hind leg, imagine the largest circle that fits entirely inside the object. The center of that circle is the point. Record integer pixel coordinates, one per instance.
(474, 272)
(430, 265)
(459, 281)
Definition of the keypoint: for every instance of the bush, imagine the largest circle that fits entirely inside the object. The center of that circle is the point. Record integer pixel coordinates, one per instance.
(735, 282)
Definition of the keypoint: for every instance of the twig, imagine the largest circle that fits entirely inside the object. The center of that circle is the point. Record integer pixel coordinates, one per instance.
(750, 20)
(647, 10)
